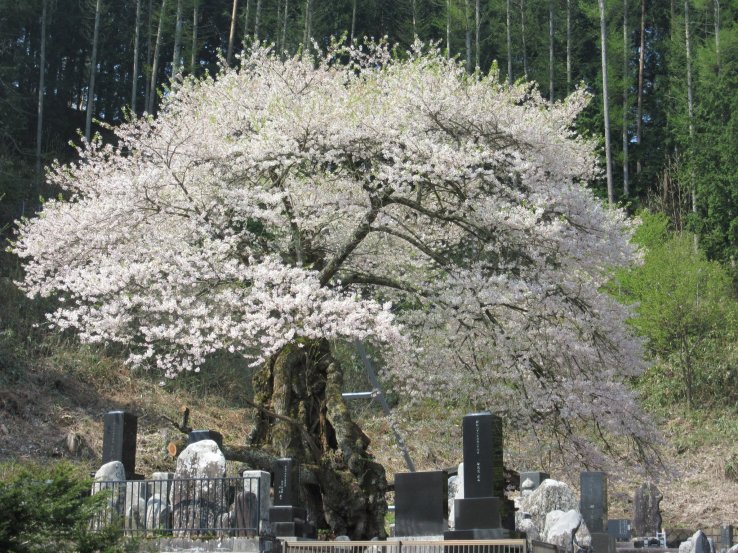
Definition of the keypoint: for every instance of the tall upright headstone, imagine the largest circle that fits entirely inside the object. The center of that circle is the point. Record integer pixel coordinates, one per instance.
(593, 500)
(119, 440)
(286, 517)
(646, 510)
(421, 503)
(480, 514)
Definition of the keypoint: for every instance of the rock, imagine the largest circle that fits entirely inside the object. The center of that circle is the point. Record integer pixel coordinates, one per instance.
(198, 504)
(551, 495)
(135, 515)
(560, 525)
(455, 491)
(526, 487)
(111, 472)
(697, 543)
(110, 477)
(646, 510)
(733, 549)
(157, 514)
(529, 529)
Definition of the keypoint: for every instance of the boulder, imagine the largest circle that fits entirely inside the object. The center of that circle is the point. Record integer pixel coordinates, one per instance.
(561, 525)
(111, 477)
(455, 491)
(551, 495)
(697, 543)
(197, 504)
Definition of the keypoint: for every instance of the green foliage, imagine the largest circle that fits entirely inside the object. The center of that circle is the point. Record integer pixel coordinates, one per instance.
(687, 313)
(49, 511)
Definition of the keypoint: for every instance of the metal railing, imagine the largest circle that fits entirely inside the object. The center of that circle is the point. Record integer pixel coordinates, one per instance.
(192, 507)
(416, 546)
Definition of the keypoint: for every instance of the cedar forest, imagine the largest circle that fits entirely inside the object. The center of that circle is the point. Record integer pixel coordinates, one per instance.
(554, 289)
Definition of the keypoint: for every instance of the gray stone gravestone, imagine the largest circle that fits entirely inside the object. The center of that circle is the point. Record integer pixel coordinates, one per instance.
(119, 440)
(593, 500)
(421, 503)
(726, 537)
(646, 511)
(480, 514)
(535, 477)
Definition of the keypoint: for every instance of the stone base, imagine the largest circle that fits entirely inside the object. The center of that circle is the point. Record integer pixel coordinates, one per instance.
(603, 543)
(478, 534)
(477, 512)
(287, 514)
(284, 530)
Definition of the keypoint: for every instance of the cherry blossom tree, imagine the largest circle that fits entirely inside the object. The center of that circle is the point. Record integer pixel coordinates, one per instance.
(292, 204)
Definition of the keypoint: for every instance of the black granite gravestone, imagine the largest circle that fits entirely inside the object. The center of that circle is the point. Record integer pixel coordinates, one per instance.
(593, 500)
(421, 503)
(286, 517)
(483, 513)
(534, 476)
(200, 435)
(119, 440)
(619, 529)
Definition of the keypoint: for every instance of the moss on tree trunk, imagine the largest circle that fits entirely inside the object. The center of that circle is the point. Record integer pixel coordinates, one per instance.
(304, 416)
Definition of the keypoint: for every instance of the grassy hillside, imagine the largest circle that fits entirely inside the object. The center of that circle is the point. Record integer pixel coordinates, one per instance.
(67, 392)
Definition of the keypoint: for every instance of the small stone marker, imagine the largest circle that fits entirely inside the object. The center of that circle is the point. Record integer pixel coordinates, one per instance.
(726, 537)
(536, 477)
(421, 503)
(257, 482)
(119, 440)
(195, 436)
(646, 511)
(593, 500)
(619, 529)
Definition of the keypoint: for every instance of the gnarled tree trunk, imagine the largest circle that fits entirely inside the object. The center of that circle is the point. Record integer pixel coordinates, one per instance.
(302, 415)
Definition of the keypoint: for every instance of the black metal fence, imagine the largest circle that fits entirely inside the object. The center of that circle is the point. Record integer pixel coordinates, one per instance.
(192, 507)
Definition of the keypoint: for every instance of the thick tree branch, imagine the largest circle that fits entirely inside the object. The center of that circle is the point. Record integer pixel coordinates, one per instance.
(438, 258)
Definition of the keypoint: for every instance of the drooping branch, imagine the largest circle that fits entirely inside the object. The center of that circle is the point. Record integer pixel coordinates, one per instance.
(435, 256)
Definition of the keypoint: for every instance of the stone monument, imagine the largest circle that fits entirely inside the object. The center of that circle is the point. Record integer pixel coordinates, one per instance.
(593, 506)
(286, 517)
(119, 440)
(421, 503)
(480, 514)
(646, 510)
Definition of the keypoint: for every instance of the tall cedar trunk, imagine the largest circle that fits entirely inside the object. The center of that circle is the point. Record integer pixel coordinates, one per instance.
(568, 46)
(284, 24)
(641, 63)
(232, 34)
(147, 71)
(155, 60)
(177, 53)
(93, 72)
(690, 97)
(522, 34)
(716, 6)
(626, 51)
(477, 25)
(551, 50)
(509, 43)
(606, 104)
(193, 51)
(257, 17)
(448, 28)
(41, 90)
(303, 385)
(246, 21)
(136, 37)
(306, 33)
(353, 21)
(468, 37)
